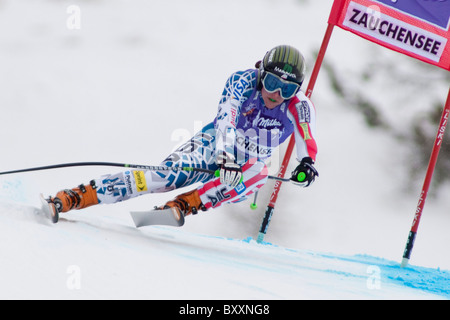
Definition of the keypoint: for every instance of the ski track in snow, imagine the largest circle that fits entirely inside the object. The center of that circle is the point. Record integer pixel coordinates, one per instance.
(115, 260)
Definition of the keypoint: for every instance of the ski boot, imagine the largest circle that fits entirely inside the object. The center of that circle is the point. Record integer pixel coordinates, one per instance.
(73, 199)
(185, 203)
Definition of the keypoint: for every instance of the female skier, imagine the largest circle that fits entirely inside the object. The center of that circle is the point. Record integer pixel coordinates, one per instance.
(258, 110)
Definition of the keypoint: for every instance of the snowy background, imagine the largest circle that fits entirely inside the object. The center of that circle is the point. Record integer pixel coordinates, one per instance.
(133, 80)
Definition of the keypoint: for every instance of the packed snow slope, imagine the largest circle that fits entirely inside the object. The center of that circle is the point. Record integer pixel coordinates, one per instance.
(130, 83)
(85, 257)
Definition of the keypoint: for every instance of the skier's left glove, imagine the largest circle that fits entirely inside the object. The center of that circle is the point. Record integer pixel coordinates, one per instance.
(305, 173)
(230, 172)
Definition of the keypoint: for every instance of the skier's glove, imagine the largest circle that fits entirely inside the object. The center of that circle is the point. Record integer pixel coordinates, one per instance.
(230, 173)
(305, 173)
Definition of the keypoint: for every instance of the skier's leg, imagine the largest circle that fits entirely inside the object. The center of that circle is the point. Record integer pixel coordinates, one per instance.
(213, 193)
(197, 152)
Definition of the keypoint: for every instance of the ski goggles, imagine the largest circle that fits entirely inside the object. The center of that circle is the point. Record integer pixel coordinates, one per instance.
(274, 83)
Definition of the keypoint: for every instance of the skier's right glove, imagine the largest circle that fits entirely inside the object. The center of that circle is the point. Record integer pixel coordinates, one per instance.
(230, 172)
(305, 173)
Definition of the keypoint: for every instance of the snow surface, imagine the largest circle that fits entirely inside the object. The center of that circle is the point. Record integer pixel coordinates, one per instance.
(102, 258)
(136, 81)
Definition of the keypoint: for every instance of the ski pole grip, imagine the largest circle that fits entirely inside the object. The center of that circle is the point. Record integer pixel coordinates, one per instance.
(217, 174)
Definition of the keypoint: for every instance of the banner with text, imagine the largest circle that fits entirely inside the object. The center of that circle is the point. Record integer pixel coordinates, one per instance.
(417, 28)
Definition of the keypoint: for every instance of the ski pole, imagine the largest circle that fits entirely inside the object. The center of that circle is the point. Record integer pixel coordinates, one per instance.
(110, 164)
(253, 205)
(122, 165)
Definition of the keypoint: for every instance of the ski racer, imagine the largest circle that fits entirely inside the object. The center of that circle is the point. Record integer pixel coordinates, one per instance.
(258, 110)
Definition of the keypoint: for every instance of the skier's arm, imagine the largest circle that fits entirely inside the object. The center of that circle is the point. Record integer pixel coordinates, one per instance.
(303, 116)
(237, 89)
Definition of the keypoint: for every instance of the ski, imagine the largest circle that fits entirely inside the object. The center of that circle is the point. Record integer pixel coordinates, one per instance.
(49, 209)
(166, 217)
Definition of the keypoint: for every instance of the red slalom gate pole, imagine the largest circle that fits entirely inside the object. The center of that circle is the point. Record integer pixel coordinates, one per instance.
(273, 199)
(427, 182)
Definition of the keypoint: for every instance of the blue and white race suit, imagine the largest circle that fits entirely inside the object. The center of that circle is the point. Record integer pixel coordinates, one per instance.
(244, 128)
